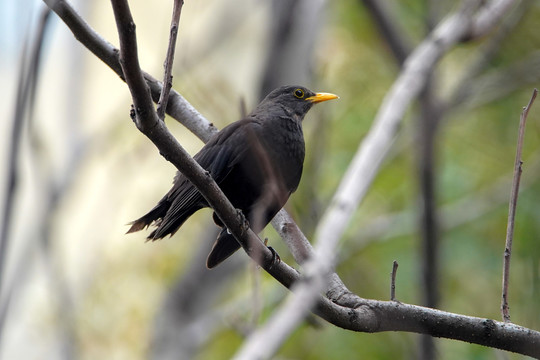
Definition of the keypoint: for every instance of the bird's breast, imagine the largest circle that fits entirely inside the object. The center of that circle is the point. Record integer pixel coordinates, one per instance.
(286, 148)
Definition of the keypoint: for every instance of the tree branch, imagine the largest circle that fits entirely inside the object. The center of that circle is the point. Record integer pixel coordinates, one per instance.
(167, 77)
(375, 316)
(505, 311)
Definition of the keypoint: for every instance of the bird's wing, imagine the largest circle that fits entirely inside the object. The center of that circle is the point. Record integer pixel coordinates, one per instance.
(219, 157)
(224, 151)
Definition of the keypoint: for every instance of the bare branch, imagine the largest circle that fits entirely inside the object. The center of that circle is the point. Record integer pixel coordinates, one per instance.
(167, 77)
(375, 316)
(512, 209)
(429, 118)
(145, 115)
(393, 281)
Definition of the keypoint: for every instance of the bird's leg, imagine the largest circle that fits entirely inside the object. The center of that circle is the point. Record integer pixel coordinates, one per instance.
(241, 218)
(275, 256)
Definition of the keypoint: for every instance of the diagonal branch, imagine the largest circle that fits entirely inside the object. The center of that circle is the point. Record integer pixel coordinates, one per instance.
(378, 141)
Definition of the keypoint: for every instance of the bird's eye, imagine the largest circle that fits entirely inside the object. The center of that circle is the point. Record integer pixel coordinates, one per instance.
(299, 93)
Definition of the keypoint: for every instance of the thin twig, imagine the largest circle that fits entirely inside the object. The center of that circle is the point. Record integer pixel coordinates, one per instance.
(167, 77)
(393, 281)
(505, 309)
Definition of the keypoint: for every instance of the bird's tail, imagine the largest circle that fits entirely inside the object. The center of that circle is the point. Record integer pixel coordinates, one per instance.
(224, 247)
(166, 216)
(158, 212)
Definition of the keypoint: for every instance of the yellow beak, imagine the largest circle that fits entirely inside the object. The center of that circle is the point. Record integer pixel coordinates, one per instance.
(319, 97)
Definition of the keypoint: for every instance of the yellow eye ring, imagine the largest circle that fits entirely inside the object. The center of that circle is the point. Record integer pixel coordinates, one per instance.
(299, 93)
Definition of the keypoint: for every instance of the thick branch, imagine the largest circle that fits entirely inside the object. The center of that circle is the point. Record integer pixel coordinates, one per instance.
(376, 316)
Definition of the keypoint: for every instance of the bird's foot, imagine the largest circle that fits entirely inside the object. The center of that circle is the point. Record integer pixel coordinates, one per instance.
(275, 256)
(243, 220)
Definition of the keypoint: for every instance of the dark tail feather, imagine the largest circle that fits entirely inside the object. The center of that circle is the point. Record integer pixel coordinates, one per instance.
(156, 213)
(224, 247)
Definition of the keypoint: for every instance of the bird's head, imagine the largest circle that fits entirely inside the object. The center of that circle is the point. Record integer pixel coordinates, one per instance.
(294, 99)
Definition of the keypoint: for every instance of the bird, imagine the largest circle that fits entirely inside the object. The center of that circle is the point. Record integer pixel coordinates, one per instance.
(256, 161)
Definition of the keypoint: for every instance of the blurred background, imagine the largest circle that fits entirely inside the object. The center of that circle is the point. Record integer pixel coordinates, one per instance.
(75, 171)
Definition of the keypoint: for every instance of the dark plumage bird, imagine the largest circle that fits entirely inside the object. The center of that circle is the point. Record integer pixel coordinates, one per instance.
(256, 161)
